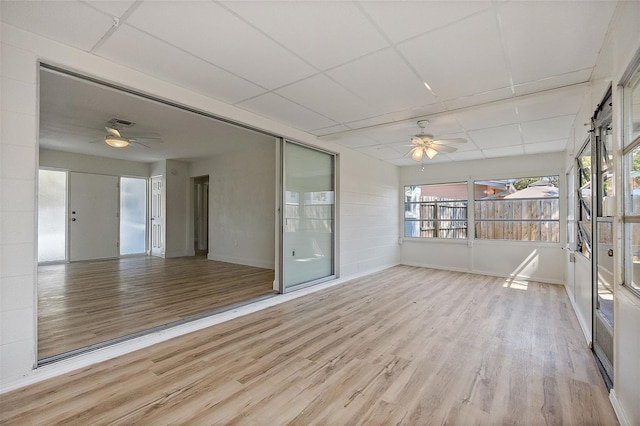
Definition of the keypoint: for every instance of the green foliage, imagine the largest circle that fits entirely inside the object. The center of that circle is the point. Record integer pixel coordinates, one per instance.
(521, 184)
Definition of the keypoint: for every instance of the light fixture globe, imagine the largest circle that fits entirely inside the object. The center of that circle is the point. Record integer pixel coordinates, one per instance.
(116, 141)
(416, 155)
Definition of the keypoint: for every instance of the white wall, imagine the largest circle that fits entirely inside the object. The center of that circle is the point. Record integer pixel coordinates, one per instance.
(178, 210)
(242, 205)
(368, 208)
(515, 259)
(621, 44)
(368, 187)
(92, 164)
(18, 145)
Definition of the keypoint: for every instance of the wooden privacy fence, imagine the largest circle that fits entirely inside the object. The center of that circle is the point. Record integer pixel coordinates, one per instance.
(524, 219)
(446, 219)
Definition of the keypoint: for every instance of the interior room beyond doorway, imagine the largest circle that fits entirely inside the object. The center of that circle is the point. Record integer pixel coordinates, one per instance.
(87, 303)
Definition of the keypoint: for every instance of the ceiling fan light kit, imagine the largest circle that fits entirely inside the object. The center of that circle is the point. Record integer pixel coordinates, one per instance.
(425, 144)
(116, 141)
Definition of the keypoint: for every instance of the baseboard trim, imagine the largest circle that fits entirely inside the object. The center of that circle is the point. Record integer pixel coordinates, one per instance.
(617, 408)
(487, 273)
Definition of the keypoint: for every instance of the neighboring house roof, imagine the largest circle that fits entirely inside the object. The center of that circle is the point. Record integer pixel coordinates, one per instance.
(537, 191)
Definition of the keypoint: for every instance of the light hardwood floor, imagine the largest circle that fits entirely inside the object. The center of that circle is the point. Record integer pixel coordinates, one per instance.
(84, 303)
(405, 346)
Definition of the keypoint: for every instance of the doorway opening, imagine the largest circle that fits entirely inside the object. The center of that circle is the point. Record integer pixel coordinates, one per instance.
(118, 226)
(201, 215)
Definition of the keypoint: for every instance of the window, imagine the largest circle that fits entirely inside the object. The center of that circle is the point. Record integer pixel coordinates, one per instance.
(631, 165)
(52, 216)
(436, 211)
(520, 209)
(583, 218)
(133, 215)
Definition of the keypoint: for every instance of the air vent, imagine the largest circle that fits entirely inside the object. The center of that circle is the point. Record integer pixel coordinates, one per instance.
(118, 123)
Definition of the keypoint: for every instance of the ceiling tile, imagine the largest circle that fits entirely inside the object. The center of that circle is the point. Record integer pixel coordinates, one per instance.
(466, 155)
(325, 33)
(330, 130)
(382, 152)
(69, 22)
(551, 104)
(441, 125)
(462, 59)
(384, 79)
(137, 50)
(328, 98)
(412, 115)
(115, 8)
(401, 20)
(553, 82)
(550, 146)
(504, 151)
(547, 130)
(487, 116)
(355, 140)
(496, 136)
(478, 99)
(211, 32)
(560, 37)
(282, 110)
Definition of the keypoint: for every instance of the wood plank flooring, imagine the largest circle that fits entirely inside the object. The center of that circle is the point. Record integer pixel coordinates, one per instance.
(84, 303)
(410, 346)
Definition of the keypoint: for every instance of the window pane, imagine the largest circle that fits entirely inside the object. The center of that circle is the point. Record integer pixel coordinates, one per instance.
(522, 209)
(133, 215)
(583, 244)
(436, 211)
(632, 237)
(632, 197)
(634, 113)
(52, 216)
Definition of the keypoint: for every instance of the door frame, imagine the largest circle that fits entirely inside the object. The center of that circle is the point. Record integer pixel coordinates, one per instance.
(602, 115)
(150, 221)
(281, 199)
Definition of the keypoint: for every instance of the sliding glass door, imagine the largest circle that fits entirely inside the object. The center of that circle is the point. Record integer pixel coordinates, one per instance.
(308, 216)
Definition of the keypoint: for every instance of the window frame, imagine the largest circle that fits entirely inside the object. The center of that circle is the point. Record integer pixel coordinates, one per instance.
(631, 142)
(583, 237)
(406, 220)
(477, 219)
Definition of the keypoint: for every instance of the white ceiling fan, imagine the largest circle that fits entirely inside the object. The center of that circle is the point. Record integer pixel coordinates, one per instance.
(115, 139)
(425, 144)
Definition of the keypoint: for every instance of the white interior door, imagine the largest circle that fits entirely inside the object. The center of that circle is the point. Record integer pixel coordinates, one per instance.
(93, 213)
(157, 216)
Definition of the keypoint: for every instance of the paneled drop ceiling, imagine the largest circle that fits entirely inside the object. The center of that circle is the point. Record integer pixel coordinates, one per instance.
(508, 76)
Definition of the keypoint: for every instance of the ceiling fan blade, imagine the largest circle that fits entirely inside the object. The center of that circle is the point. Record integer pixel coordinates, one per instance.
(114, 132)
(452, 140)
(147, 139)
(133, 141)
(443, 148)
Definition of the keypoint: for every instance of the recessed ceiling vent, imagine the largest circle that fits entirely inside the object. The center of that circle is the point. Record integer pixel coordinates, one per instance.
(118, 123)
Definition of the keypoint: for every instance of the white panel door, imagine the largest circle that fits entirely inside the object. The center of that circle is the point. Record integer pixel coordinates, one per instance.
(93, 212)
(157, 216)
